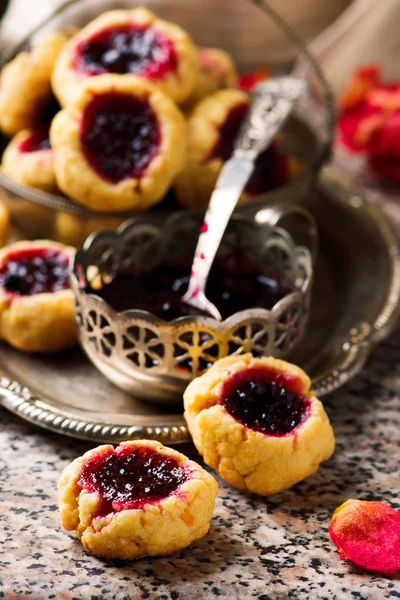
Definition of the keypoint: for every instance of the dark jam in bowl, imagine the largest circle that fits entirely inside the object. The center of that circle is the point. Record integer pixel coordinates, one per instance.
(159, 291)
(265, 401)
(128, 478)
(120, 136)
(271, 168)
(133, 49)
(38, 140)
(35, 271)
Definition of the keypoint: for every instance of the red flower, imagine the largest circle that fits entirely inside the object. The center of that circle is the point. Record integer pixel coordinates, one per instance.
(370, 121)
(355, 127)
(362, 80)
(247, 81)
(368, 535)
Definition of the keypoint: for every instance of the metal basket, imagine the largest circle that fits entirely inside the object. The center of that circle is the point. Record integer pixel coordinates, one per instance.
(154, 359)
(40, 214)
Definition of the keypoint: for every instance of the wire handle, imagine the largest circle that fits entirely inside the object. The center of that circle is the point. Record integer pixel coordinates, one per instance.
(297, 41)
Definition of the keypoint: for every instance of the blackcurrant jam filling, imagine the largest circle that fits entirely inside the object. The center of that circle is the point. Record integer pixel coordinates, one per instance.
(120, 136)
(38, 140)
(35, 271)
(271, 168)
(127, 49)
(128, 478)
(265, 401)
(160, 290)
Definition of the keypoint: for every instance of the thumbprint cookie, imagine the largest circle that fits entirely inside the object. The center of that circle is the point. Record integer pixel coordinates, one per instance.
(119, 145)
(139, 499)
(129, 42)
(256, 421)
(74, 229)
(29, 159)
(36, 303)
(217, 72)
(4, 220)
(212, 128)
(25, 84)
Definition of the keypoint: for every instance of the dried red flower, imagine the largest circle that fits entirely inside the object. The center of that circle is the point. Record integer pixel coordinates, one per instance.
(368, 534)
(247, 81)
(369, 121)
(354, 127)
(362, 81)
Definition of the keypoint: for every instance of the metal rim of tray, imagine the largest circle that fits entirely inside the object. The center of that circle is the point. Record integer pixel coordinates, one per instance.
(354, 352)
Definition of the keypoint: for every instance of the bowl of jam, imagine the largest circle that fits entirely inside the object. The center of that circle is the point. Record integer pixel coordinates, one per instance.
(128, 286)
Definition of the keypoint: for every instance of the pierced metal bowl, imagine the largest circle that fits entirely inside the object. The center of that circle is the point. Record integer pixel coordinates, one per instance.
(154, 359)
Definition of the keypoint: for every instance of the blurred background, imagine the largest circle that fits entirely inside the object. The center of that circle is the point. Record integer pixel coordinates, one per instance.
(309, 17)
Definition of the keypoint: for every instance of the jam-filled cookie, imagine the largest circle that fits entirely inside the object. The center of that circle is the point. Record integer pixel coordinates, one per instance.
(129, 42)
(29, 159)
(74, 229)
(256, 421)
(212, 128)
(25, 84)
(119, 145)
(217, 72)
(36, 303)
(4, 220)
(139, 499)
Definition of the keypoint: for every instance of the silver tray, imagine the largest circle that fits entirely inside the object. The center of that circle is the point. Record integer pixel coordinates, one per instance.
(356, 302)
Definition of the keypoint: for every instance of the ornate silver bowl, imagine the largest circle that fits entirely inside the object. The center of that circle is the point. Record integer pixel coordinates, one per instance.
(154, 359)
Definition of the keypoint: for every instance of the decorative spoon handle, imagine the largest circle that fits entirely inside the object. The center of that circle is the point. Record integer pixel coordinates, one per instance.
(272, 103)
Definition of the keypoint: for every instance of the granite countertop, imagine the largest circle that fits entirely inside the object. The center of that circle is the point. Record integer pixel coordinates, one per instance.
(256, 548)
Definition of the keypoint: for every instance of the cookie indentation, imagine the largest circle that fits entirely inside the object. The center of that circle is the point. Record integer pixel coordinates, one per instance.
(35, 271)
(128, 49)
(260, 400)
(130, 478)
(120, 136)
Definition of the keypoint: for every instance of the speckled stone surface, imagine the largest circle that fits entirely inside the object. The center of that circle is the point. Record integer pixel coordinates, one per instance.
(274, 548)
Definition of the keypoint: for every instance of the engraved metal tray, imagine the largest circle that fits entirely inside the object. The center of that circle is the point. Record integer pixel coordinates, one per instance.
(356, 302)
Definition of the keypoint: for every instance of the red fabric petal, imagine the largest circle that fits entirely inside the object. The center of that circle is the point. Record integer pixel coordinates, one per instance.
(368, 535)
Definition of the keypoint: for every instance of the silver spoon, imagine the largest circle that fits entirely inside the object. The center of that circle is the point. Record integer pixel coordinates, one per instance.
(273, 102)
